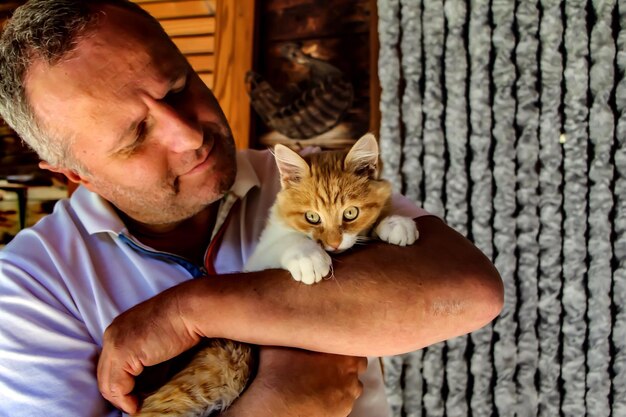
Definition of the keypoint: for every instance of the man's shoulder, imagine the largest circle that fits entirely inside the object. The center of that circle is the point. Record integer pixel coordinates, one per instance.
(32, 262)
(59, 261)
(258, 167)
(54, 237)
(261, 161)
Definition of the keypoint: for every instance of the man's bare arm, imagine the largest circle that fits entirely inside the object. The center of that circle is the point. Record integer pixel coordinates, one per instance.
(383, 300)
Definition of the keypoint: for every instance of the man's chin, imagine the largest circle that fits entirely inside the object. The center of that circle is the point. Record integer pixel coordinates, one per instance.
(168, 219)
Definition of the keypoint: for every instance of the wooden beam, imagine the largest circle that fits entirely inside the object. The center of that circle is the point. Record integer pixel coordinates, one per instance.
(309, 19)
(233, 58)
(374, 80)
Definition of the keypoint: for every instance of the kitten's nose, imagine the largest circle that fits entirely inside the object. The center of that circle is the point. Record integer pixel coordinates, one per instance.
(333, 245)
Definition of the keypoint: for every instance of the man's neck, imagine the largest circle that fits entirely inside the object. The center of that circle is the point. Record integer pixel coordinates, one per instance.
(188, 238)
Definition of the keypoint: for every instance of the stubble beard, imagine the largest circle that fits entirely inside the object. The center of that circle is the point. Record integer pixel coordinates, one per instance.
(166, 204)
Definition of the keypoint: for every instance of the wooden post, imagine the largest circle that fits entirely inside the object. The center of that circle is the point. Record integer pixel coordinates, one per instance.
(374, 81)
(234, 50)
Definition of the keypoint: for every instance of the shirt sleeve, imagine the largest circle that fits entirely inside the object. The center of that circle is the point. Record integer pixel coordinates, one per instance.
(47, 358)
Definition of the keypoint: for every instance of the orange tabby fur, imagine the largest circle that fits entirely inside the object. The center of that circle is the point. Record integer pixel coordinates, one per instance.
(328, 190)
(213, 379)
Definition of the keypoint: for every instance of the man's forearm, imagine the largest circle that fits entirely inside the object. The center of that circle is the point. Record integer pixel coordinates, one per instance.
(382, 299)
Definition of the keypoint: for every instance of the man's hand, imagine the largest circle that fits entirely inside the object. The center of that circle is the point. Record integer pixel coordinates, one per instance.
(147, 334)
(294, 382)
(384, 300)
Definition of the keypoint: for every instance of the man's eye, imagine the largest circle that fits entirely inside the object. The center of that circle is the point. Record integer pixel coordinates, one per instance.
(140, 136)
(180, 89)
(141, 131)
(177, 90)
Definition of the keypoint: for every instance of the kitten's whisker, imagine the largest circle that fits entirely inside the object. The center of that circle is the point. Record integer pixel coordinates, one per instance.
(331, 274)
(363, 240)
(332, 277)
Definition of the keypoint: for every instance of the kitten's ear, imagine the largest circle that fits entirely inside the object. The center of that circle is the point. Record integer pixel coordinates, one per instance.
(291, 166)
(363, 157)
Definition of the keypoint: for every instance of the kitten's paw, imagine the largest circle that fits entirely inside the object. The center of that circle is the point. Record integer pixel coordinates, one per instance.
(397, 230)
(307, 263)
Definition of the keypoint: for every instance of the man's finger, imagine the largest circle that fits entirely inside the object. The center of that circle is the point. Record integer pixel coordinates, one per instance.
(117, 389)
(117, 384)
(127, 403)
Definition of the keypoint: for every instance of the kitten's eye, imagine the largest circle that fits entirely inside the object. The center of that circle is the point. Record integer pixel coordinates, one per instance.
(350, 213)
(312, 217)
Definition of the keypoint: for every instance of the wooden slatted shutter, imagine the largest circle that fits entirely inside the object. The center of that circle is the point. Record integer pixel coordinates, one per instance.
(191, 25)
(217, 37)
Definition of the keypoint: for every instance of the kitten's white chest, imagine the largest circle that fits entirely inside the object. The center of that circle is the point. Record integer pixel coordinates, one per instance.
(282, 247)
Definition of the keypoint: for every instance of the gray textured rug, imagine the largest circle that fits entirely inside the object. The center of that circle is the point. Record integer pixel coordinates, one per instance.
(508, 119)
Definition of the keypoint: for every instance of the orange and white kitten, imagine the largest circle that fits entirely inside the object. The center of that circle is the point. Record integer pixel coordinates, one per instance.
(215, 377)
(328, 202)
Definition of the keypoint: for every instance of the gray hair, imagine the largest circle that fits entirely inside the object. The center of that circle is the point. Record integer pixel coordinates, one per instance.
(48, 31)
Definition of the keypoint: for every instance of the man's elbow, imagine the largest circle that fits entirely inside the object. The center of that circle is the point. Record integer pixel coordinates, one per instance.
(458, 310)
(488, 298)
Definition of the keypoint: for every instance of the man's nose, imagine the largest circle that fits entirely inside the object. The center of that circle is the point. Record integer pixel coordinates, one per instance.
(175, 129)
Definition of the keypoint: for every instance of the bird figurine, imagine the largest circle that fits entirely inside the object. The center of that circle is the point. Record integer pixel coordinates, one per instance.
(306, 110)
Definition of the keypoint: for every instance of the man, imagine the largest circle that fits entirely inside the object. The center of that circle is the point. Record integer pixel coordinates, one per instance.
(103, 95)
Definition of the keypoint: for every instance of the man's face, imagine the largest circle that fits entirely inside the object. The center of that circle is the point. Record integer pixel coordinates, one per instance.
(148, 131)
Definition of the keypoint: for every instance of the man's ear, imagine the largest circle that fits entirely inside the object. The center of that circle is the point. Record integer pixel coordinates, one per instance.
(71, 174)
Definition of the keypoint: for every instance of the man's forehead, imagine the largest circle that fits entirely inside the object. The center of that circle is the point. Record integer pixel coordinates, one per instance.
(78, 87)
(114, 58)
(107, 70)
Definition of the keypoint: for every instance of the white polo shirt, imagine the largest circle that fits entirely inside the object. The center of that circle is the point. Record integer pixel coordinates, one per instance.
(64, 280)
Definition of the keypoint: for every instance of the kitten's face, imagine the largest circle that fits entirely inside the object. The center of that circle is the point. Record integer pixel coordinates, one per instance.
(334, 202)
